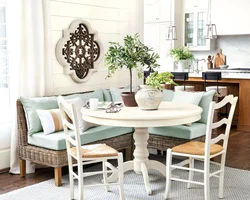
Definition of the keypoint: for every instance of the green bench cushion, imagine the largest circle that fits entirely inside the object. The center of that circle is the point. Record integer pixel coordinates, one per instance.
(180, 131)
(56, 141)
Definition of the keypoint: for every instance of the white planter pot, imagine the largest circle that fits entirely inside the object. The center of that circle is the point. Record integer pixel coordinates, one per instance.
(148, 98)
(182, 65)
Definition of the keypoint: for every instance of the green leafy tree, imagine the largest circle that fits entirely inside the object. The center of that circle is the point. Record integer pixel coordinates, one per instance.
(130, 55)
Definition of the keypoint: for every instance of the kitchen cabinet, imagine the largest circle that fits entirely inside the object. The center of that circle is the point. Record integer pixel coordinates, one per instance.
(231, 17)
(194, 25)
(154, 37)
(194, 30)
(195, 4)
(156, 10)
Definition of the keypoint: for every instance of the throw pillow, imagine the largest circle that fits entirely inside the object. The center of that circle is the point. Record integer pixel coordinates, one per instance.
(187, 97)
(79, 103)
(51, 120)
(167, 95)
(107, 95)
(206, 99)
(116, 93)
(30, 106)
(86, 96)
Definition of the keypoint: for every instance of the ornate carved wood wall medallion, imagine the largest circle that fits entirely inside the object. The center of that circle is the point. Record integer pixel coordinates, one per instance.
(79, 51)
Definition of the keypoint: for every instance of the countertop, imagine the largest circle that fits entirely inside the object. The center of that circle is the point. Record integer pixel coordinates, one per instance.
(227, 73)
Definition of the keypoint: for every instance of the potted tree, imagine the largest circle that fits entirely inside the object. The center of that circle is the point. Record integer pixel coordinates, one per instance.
(181, 56)
(149, 96)
(132, 53)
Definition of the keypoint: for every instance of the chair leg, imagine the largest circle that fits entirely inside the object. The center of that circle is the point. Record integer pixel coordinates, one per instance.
(80, 181)
(120, 168)
(221, 181)
(191, 173)
(168, 173)
(105, 176)
(58, 176)
(71, 178)
(206, 179)
(22, 168)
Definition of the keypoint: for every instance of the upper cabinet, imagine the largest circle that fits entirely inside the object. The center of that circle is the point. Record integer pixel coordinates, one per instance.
(231, 16)
(194, 22)
(156, 11)
(194, 4)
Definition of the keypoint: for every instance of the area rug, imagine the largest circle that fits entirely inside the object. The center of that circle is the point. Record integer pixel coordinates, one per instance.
(237, 187)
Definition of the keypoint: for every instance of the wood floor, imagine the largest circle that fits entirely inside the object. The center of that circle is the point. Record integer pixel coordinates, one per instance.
(238, 156)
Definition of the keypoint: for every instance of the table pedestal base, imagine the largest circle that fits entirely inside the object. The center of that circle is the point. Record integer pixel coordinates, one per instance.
(141, 164)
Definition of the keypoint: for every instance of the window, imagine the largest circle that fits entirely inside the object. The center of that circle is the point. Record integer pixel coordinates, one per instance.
(4, 70)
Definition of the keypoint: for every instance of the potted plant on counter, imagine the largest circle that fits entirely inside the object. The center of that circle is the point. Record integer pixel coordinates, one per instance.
(131, 55)
(149, 96)
(182, 56)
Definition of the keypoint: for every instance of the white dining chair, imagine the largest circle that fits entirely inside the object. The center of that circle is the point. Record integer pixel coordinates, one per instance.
(87, 154)
(203, 151)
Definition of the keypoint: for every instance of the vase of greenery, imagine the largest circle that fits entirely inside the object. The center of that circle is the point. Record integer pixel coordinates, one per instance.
(182, 56)
(150, 95)
(131, 55)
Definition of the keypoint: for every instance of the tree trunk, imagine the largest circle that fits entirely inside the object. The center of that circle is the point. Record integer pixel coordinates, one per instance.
(130, 74)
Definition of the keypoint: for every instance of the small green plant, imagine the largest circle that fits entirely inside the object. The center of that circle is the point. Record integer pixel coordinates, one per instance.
(156, 79)
(130, 55)
(181, 53)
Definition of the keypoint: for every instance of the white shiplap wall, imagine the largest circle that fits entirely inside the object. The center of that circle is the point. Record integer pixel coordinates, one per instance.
(112, 19)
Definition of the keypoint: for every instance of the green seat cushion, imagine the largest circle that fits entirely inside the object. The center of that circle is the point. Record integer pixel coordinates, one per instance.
(180, 131)
(206, 99)
(56, 141)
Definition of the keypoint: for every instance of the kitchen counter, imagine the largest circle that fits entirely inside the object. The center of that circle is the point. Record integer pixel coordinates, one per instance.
(226, 73)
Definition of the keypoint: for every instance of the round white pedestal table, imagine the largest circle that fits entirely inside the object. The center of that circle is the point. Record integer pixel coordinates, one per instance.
(168, 114)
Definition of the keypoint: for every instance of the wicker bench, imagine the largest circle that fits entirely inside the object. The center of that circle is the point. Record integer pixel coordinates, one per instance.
(57, 158)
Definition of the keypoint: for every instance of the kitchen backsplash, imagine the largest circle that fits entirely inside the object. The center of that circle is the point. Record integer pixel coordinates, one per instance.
(235, 47)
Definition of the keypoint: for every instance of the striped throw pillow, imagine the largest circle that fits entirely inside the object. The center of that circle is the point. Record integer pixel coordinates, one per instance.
(51, 120)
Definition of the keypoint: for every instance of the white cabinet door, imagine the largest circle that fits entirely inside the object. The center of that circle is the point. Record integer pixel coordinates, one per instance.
(195, 4)
(194, 31)
(156, 10)
(151, 36)
(151, 10)
(231, 17)
(154, 37)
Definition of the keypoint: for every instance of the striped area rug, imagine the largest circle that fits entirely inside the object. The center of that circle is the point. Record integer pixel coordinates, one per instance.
(237, 187)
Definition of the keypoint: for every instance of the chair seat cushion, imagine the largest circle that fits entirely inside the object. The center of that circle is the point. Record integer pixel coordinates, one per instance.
(56, 141)
(181, 131)
(197, 148)
(95, 151)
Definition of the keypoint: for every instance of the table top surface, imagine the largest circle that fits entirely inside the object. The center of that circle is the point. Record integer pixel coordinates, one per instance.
(168, 114)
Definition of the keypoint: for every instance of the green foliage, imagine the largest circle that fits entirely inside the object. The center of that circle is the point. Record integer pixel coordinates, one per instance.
(129, 55)
(156, 79)
(181, 53)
